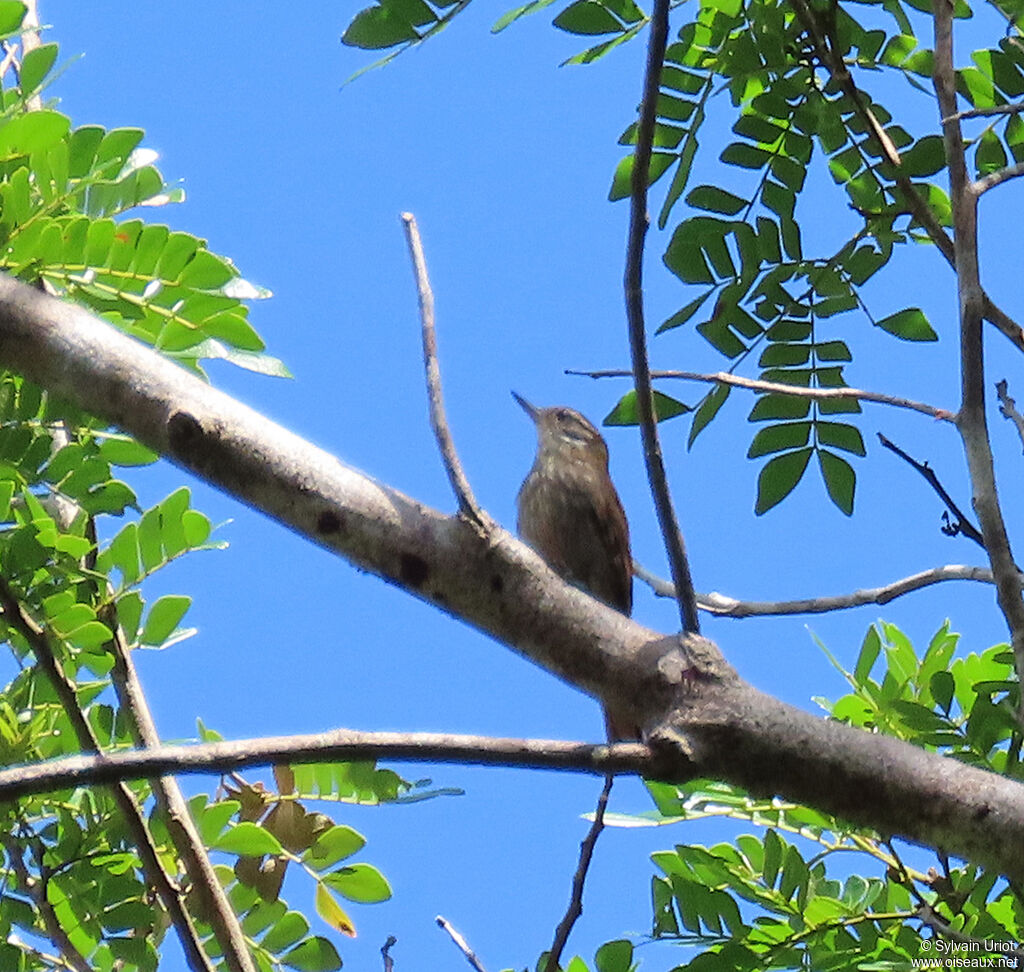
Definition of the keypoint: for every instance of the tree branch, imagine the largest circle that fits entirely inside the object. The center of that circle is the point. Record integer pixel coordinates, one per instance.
(993, 179)
(712, 723)
(675, 546)
(335, 746)
(731, 607)
(779, 388)
(971, 420)
(438, 420)
(1014, 109)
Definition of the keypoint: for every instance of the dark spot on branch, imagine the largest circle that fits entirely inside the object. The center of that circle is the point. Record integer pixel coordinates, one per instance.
(328, 522)
(982, 812)
(497, 584)
(413, 570)
(184, 434)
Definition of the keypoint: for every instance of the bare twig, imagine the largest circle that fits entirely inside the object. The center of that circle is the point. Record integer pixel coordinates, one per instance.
(1008, 407)
(389, 962)
(962, 525)
(339, 745)
(996, 178)
(579, 879)
(438, 420)
(971, 420)
(1014, 109)
(731, 607)
(638, 221)
(460, 943)
(170, 896)
(779, 388)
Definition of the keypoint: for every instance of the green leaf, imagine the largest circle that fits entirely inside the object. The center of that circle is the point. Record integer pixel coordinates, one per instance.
(313, 955)
(715, 200)
(779, 438)
(909, 325)
(779, 477)
(122, 451)
(513, 15)
(163, 618)
(378, 27)
(622, 181)
(665, 407)
(332, 846)
(924, 158)
(840, 435)
(614, 956)
(706, 411)
(359, 882)
(11, 14)
(588, 17)
(35, 66)
(941, 686)
(35, 131)
(840, 479)
(248, 839)
(287, 930)
(990, 156)
(682, 315)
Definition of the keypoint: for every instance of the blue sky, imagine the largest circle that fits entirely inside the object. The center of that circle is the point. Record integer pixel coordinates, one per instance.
(506, 161)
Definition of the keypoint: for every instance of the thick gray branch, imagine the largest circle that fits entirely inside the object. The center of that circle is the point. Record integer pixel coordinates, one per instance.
(703, 718)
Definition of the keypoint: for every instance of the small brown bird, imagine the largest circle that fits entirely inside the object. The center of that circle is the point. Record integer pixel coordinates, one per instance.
(570, 513)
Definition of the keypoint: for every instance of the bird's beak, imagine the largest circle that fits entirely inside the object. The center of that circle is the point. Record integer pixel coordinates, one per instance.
(530, 410)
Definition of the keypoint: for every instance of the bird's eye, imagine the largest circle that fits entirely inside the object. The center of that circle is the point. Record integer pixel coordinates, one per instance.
(576, 430)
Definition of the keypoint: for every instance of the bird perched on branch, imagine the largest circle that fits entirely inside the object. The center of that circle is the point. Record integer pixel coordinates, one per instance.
(570, 513)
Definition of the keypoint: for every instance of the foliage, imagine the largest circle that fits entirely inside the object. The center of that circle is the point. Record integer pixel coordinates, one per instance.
(70, 863)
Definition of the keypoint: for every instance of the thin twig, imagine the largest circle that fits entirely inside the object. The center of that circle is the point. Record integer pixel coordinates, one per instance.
(724, 606)
(389, 962)
(996, 178)
(638, 221)
(1008, 407)
(170, 896)
(971, 419)
(963, 525)
(438, 421)
(579, 880)
(460, 943)
(339, 746)
(1014, 109)
(779, 388)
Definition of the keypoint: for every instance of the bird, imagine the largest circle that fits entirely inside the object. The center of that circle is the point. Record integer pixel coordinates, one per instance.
(570, 513)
